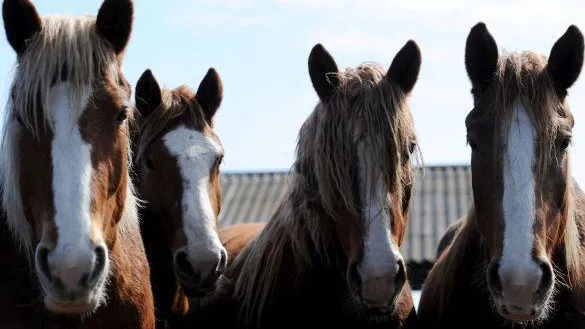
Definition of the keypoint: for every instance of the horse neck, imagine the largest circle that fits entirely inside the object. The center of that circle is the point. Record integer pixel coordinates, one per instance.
(163, 281)
(17, 271)
(302, 259)
(130, 285)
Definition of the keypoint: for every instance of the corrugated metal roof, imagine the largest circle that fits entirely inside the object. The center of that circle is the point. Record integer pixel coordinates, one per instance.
(441, 195)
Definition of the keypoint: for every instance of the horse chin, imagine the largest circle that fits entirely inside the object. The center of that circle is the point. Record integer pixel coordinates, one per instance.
(79, 304)
(373, 315)
(79, 307)
(537, 313)
(198, 293)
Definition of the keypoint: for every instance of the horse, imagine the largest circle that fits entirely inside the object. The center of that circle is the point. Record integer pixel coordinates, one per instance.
(516, 258)
(178, 155)
(448, 236)
(237, 237)
(330, 252)
(69, 235)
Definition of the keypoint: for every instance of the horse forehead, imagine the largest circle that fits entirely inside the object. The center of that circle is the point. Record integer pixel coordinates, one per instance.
(63, 112)
(191, 144)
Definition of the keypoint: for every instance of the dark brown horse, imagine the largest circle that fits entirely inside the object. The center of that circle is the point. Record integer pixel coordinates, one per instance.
(330, 253)
(69, 237)
(177, 164)
(517, 258)
(449, 235)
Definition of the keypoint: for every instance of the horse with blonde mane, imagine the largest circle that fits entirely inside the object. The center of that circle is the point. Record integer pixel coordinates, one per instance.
(69, 238)
(330, 253)
(517, 258)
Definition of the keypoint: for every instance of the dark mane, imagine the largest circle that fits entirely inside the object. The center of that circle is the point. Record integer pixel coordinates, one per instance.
(323, 181)
(523, 77)
(520, 77)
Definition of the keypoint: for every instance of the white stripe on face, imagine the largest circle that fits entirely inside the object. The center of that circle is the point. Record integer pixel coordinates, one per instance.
(72, 169)
(517, 266)
(380, 253)
(195, 154)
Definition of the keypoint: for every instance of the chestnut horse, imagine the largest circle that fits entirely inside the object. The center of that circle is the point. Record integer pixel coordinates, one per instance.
(176, 169)
(516, 259)
(236, 237)
(330, 253)
(70, 238)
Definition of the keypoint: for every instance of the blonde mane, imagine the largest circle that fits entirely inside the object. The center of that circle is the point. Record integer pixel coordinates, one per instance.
(68, 47)
(519, 77)
(321, 192)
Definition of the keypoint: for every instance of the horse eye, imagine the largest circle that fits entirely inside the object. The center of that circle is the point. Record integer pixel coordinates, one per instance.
(122, 115)
(149, 164)
(471, 144)
(412, 147)
(19, 119)
(564, 143)
(218, 161)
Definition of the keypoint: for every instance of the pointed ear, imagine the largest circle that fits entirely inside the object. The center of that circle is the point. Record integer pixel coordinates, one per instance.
(321, 65)
(114, 22)
(481, 56)
(209, 94)
(566, 59)
(148, 95)
(405, 66)
(21, 22)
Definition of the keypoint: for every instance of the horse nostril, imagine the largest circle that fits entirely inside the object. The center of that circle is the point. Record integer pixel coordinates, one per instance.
(98, 267)
(546, 280)
(222, 262)
(400, 278)
(353, 276)
(183, 266)
(43, 262)
(493, 278)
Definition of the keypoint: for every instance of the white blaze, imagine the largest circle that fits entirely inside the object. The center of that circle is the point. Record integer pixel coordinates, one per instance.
(519, 202)
(195, 154)
(72, 169)
(380, 252)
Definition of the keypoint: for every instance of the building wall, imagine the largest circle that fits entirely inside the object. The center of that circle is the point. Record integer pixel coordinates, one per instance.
(441, 195)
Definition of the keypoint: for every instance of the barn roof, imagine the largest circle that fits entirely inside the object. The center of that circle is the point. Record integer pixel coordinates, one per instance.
(441, 195)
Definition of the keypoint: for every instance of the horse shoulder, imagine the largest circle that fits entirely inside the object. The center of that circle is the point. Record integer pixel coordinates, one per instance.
(236, 237)
(130, 282)
(448, 295)
(448, 236)
(428, 312)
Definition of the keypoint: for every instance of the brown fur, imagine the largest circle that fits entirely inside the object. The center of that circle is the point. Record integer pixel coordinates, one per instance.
(455, 290)
(236, 237)
(70, 49)
(162, 222)
(296, 267)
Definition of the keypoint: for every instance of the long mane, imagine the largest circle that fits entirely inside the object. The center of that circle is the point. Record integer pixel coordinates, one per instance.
(66, 48)
(519, 77)
(322, 188)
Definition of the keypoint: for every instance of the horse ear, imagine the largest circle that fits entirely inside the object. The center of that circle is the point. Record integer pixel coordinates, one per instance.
(114, 22)
(321, 67)
(481, 56)
(405, 66)
(210, 94)
(21, 22)
(148, 95)
(566, 59)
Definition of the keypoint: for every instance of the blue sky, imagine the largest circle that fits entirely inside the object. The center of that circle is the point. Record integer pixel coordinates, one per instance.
(260, 49)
